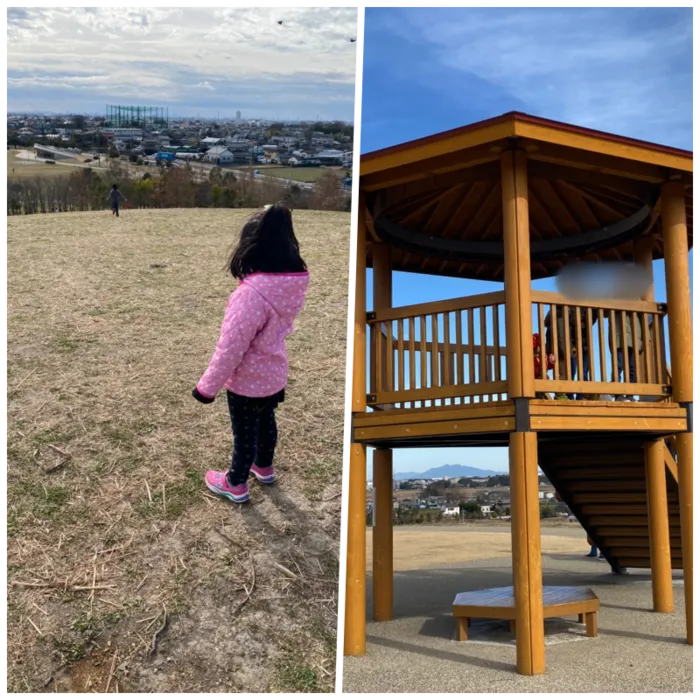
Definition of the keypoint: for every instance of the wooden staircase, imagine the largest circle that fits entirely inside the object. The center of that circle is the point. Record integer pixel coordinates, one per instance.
(604, 484)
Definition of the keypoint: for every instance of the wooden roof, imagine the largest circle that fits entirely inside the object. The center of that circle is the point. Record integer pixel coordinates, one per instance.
(425, 195)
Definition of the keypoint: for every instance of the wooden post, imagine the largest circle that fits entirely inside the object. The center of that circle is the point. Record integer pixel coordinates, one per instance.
(527, 565)
(516, 243)
(659, 537)
(382, 536)
(382, 477)
(524, 486)
(356, 577)
(359, 369)
(675, 237)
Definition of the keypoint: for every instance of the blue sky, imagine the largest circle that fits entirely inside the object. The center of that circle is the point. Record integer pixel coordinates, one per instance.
(204, 61)
(626, 71)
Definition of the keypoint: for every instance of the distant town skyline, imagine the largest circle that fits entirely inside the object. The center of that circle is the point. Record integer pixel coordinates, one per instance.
(177, 117)
(286, 64)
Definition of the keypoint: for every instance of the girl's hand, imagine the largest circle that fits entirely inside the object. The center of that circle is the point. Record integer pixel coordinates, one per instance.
(201, 397)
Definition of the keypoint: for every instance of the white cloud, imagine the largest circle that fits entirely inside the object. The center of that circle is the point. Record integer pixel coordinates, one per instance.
(161, 53)
(598, 67)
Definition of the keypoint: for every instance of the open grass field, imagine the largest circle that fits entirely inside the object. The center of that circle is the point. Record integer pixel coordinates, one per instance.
(429, 546)
(19, 169)
(124, 572)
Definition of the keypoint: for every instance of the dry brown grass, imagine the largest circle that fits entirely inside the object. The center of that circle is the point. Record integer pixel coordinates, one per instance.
(428, 547)
(110, 324)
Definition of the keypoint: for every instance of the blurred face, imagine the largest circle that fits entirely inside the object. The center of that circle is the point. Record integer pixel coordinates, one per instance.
(612, 280)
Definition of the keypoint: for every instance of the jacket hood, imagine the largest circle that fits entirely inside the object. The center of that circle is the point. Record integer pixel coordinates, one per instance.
(284, 291)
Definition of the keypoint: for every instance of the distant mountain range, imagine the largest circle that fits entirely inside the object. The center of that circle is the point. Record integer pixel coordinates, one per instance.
(447, 471)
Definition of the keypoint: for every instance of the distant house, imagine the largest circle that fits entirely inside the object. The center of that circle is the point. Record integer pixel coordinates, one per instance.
(219, 155)
(485, 510)
(451, 511)
(330, 157)
(210, 141)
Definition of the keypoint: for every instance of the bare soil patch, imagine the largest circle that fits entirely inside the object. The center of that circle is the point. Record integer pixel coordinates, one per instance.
(124, 572)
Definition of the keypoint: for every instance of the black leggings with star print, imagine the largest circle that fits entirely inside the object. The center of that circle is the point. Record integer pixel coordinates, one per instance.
(254, 433)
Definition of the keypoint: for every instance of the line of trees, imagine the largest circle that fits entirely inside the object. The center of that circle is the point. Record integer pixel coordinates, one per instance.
(86, 190)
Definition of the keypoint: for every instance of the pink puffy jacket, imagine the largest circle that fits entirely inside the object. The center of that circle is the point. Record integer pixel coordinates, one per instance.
(251, 358)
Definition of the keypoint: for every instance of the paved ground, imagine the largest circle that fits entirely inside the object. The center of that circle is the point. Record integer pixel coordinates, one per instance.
(636, 650)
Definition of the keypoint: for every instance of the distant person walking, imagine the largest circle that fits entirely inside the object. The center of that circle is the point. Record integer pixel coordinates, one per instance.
(250, 360)
(115, 196)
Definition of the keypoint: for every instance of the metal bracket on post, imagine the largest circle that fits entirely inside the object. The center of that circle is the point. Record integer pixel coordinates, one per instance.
(371, 316)
(688, 405)
(522, 415)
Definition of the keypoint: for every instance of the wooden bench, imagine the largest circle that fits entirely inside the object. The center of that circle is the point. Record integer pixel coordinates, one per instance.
(499, 604)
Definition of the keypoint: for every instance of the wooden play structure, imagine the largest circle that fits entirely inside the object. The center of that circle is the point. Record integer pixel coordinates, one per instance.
(511, 200)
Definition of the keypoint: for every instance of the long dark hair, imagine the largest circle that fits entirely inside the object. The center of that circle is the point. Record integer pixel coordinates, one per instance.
(267, 244)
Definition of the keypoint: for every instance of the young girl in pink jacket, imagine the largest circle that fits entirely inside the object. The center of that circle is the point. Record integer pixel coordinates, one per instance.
(250, 360)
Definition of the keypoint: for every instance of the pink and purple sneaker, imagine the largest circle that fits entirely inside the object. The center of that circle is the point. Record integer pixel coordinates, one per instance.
(265, 475)
(218, 483)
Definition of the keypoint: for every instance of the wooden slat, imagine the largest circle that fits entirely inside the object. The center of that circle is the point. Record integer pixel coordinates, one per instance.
(579, 344)
(599, 387)
(613, 347)
(423, 353)
(412, 352)
(589, 340)
(446, 355)
(567, 343)
(482, 352)
(460, 350)
(626, 304)
(434, 414)
(648, 352)
(435, 429)
(389, 356)
(434, 364)
(472, 342)
(497, 344)
(634, 320)
(543, 354)
(632, 409)
(658, 350)
(555, 341)
(401, 356)
(573, 423)
(625, 347)
(438, 307)
(441, 392)
(603, 349)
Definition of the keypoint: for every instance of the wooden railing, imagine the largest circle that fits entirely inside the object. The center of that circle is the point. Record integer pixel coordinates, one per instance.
(453, 352)
(438, 354)
(611, 347)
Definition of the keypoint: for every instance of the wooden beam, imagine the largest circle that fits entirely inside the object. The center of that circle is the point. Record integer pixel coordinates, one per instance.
(516, 246)
(637, 156)
(446, 163)
(427, 151)
(675, 237)
(465, 176)
(527, 555)
(548, 170)
(382, 536)
(356, 574)
(659, 537)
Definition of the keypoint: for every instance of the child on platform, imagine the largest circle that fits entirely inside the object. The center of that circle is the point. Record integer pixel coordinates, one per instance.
(250, 360)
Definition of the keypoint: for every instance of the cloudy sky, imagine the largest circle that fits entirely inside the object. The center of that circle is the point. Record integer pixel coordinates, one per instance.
(191, 60)
(624, 70)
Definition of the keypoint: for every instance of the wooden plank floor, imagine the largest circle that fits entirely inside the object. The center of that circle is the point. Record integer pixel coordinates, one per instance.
(490, 423)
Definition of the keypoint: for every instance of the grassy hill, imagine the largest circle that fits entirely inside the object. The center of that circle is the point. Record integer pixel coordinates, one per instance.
(111, 531)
